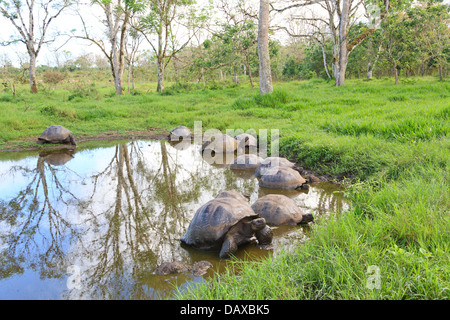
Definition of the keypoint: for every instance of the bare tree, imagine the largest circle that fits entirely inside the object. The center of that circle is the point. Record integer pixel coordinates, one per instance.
(117, 16)
(161, 18)
(338, 18)
(131, 55)
(31, 18)
(265, 74)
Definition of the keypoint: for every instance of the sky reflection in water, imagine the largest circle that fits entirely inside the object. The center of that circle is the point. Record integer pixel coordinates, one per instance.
(115, 211)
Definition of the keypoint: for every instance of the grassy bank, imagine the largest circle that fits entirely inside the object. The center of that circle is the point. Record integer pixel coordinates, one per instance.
(389, 143)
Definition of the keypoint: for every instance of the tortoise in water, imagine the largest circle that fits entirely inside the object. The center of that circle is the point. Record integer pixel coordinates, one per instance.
(171, 267)
(246, 140)
(180, 132)
(224, 223)
(57, 134)
(199, 268)
(246, 162)
(272, 162)
(278, 209)
(283, 178)
(222, 143)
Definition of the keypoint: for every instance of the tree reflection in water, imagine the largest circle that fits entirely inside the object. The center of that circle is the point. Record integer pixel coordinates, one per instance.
(114, 212)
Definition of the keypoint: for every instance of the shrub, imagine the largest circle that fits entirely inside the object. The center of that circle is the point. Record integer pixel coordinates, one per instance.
(53, 77)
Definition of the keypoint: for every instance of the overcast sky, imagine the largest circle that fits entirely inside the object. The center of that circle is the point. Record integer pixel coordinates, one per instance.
(68, 21)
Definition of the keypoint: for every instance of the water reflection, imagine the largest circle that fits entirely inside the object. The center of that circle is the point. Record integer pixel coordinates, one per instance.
(115, 213)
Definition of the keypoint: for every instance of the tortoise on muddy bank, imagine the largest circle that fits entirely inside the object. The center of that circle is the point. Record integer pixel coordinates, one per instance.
(180, 133)
(283, 178)
(278, 210)
(57, 134)
(225, 223)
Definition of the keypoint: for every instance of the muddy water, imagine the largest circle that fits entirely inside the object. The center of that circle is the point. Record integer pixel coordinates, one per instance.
(95, 224)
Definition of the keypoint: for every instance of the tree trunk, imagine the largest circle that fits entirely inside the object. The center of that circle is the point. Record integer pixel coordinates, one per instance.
(128, 77)
(369, 70)
(118, 81)
(203, 78)
(160, 75)
(371, 66)
(121, 58)
(175, 68)
(265, 75)
(441, 73)
(247, 66)
(324, 56)
(236, 76)
(160, 63)
(343, 39)
(395, 72)
(132, 76)
(33, 81)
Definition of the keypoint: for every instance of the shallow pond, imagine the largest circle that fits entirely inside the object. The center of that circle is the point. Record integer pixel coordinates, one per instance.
(95, 224)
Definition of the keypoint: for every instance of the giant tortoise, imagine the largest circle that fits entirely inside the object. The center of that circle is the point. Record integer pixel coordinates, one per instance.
(224, 223)
(180, 133)
(221, 143)
(283, 178)
(272, 162)
(278, 210)
(57, 134)
(246, 162)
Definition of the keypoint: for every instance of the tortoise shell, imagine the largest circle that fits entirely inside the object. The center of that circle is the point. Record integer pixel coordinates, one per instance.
(55, 134)
(272, 162)
(214, 219)
(180, 132)
(246, 162)
(278, 209)
(281, 178)
(232, 194)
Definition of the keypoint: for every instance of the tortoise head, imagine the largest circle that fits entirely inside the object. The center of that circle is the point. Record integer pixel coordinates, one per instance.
(258, 224)
(307, 218)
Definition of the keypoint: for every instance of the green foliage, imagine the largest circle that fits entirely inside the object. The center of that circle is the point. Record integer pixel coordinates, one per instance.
(83, 91)
(311, 65)
(273, 100)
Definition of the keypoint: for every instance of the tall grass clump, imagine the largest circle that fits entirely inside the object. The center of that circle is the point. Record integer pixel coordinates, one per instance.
(277, 98)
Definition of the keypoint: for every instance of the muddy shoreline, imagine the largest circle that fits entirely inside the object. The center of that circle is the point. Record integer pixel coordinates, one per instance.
(105, 136)
(310, 175)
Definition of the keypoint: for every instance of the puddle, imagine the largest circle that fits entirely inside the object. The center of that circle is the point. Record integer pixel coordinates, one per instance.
(95, 224)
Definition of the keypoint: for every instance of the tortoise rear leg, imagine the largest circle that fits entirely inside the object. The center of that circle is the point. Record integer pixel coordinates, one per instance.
(229, 247)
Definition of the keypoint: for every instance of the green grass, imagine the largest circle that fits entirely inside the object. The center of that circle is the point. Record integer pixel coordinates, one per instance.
(389, 143)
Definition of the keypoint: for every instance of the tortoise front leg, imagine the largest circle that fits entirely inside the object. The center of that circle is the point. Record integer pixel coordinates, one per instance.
(264, 236)
(72, 140)
(229, 247)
